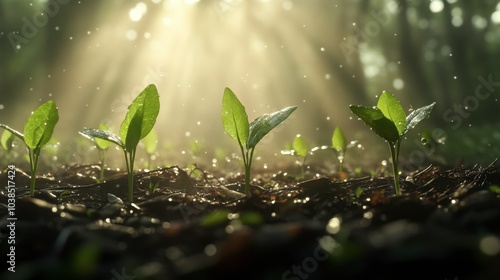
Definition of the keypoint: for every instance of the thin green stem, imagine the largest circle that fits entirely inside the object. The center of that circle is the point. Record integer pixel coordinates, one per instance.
(33, 155)
(395, 154)
(130, 171)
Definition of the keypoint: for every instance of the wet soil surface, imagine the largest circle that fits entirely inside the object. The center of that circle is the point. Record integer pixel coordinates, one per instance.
(185, 225)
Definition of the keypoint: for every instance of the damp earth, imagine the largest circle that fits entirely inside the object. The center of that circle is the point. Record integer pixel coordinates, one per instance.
(193, 224)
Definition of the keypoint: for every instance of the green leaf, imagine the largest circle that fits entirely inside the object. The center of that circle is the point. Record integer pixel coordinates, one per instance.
(151, 142)
(141, 117)
(13, 131)
(417, 116)
(92, 133)
(101, 143)
(392, 109)
(251, 218)
(376, 120)
(40, 125)
(215, 218)
(300, 146)
(495, 189)
(265, 123)
(7, 139)
(234, 117)
(338, 140)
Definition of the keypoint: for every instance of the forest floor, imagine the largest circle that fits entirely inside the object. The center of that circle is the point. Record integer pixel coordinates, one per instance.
(196, 225)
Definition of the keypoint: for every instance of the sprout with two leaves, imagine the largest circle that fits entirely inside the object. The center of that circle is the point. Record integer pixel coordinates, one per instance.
(139, 121)
(389, 121)
(236, 125)
(37, 132)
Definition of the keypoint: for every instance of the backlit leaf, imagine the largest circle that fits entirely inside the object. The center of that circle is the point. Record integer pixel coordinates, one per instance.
(376, 120)
(300, 146)
(151, 142)
(391, 108)
(265, 123)
(141, 117)
(7, 139)
(338, 140)
(234, 117)
(40, 125)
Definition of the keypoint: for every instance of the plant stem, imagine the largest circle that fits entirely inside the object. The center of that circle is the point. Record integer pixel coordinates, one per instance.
(395, 154)
(130, 173)
(34, 155)
(131, 177)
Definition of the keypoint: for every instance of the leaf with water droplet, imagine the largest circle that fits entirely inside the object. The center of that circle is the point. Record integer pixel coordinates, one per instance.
(417, 116)
(101, 143)
(141, 117)
(261, 126)
(92, 133)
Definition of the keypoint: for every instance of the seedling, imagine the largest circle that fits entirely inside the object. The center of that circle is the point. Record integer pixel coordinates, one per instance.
(139, 121)
(389, 121)
(299, 148)
(339, 145)
(102, 147)
(236, 125)
(7, 141)
(153, 187)
(38, 130)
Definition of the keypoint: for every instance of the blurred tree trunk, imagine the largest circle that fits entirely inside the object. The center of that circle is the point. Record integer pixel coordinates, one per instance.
(412, 70)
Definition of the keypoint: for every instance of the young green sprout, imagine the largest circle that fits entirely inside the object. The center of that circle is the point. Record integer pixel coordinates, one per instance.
(38, 130)
(339, 145)
(300, 148)
(389, 121)
(102, 146)
(236, 125)
(139, 121)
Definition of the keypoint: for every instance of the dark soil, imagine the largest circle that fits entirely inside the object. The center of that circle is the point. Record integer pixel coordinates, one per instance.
(446, 225)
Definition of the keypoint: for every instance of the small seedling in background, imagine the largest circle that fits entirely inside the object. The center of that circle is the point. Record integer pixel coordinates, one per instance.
(102, 147)
(389, 121)
(153, 187)
(139, 121)
(37, 132)
(7, 142)
(339, 145)
(300, 148)
(236, 125)
(150, 143)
